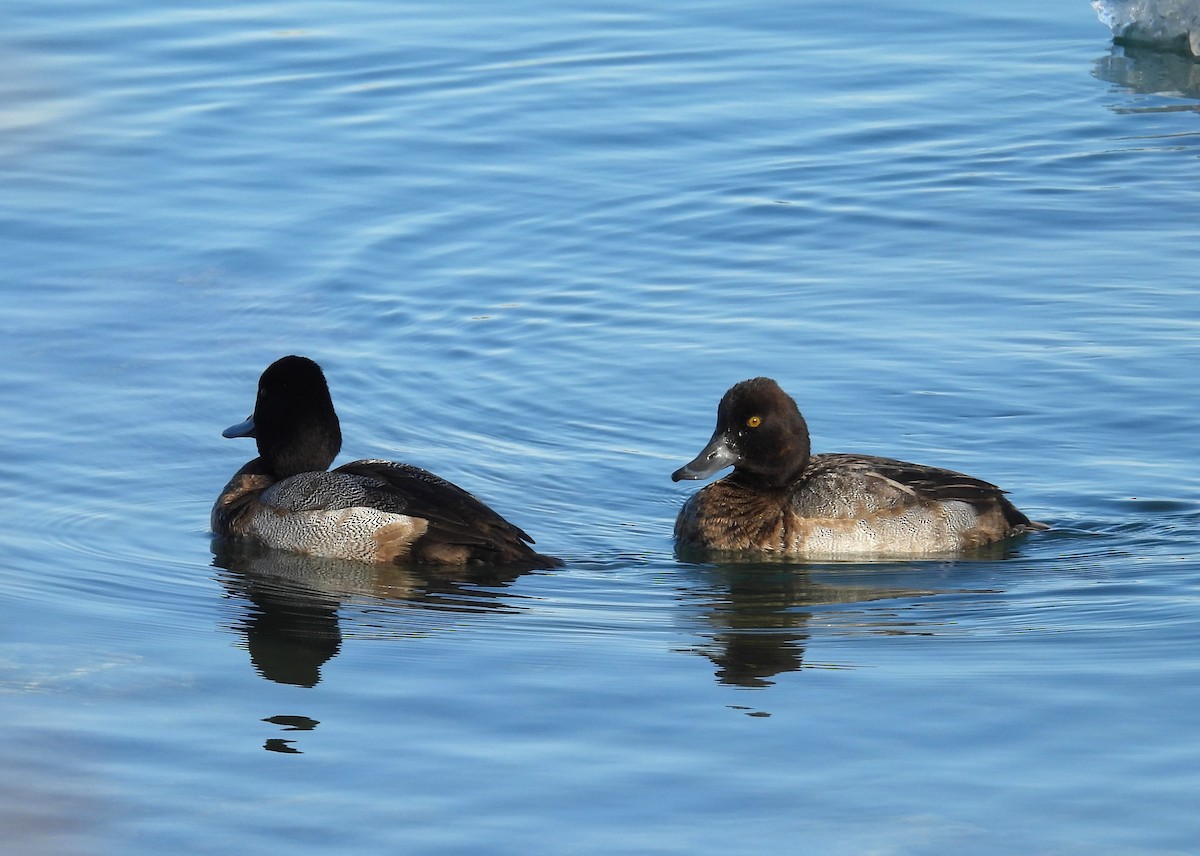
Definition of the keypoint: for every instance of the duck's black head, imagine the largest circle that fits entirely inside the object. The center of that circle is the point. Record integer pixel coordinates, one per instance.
(760, 433)
(294, 422)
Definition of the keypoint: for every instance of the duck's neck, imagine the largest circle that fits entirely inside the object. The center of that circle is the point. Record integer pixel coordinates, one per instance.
(783, 470)
(306, 452)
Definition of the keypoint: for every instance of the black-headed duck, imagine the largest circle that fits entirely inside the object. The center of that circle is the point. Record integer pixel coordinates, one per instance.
(781, 499)
(371, 511)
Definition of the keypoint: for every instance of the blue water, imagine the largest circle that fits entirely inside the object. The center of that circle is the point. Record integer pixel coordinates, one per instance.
(532, 246)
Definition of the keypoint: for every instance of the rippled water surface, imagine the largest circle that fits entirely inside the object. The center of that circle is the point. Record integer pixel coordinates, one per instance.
(532, 246)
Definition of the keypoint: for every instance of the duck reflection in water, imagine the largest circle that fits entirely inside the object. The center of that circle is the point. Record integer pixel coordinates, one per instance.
(288, 723)
(754, 618)
(291, 623)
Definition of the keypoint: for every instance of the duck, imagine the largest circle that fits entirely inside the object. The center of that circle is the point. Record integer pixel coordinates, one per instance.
(372, 511)
(782, 500)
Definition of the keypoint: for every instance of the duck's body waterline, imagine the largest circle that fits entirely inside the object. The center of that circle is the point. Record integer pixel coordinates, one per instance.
(294, 515)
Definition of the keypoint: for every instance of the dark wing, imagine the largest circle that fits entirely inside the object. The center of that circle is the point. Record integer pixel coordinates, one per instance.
(455, 517)
(927, 484)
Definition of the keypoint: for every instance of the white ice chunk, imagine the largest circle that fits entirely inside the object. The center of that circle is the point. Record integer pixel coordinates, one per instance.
(1167, 23)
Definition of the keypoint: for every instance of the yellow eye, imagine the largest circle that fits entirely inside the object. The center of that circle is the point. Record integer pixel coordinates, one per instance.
(754, 421)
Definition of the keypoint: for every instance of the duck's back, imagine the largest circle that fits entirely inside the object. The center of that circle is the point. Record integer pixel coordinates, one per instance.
(853, 505)
(381, 512)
